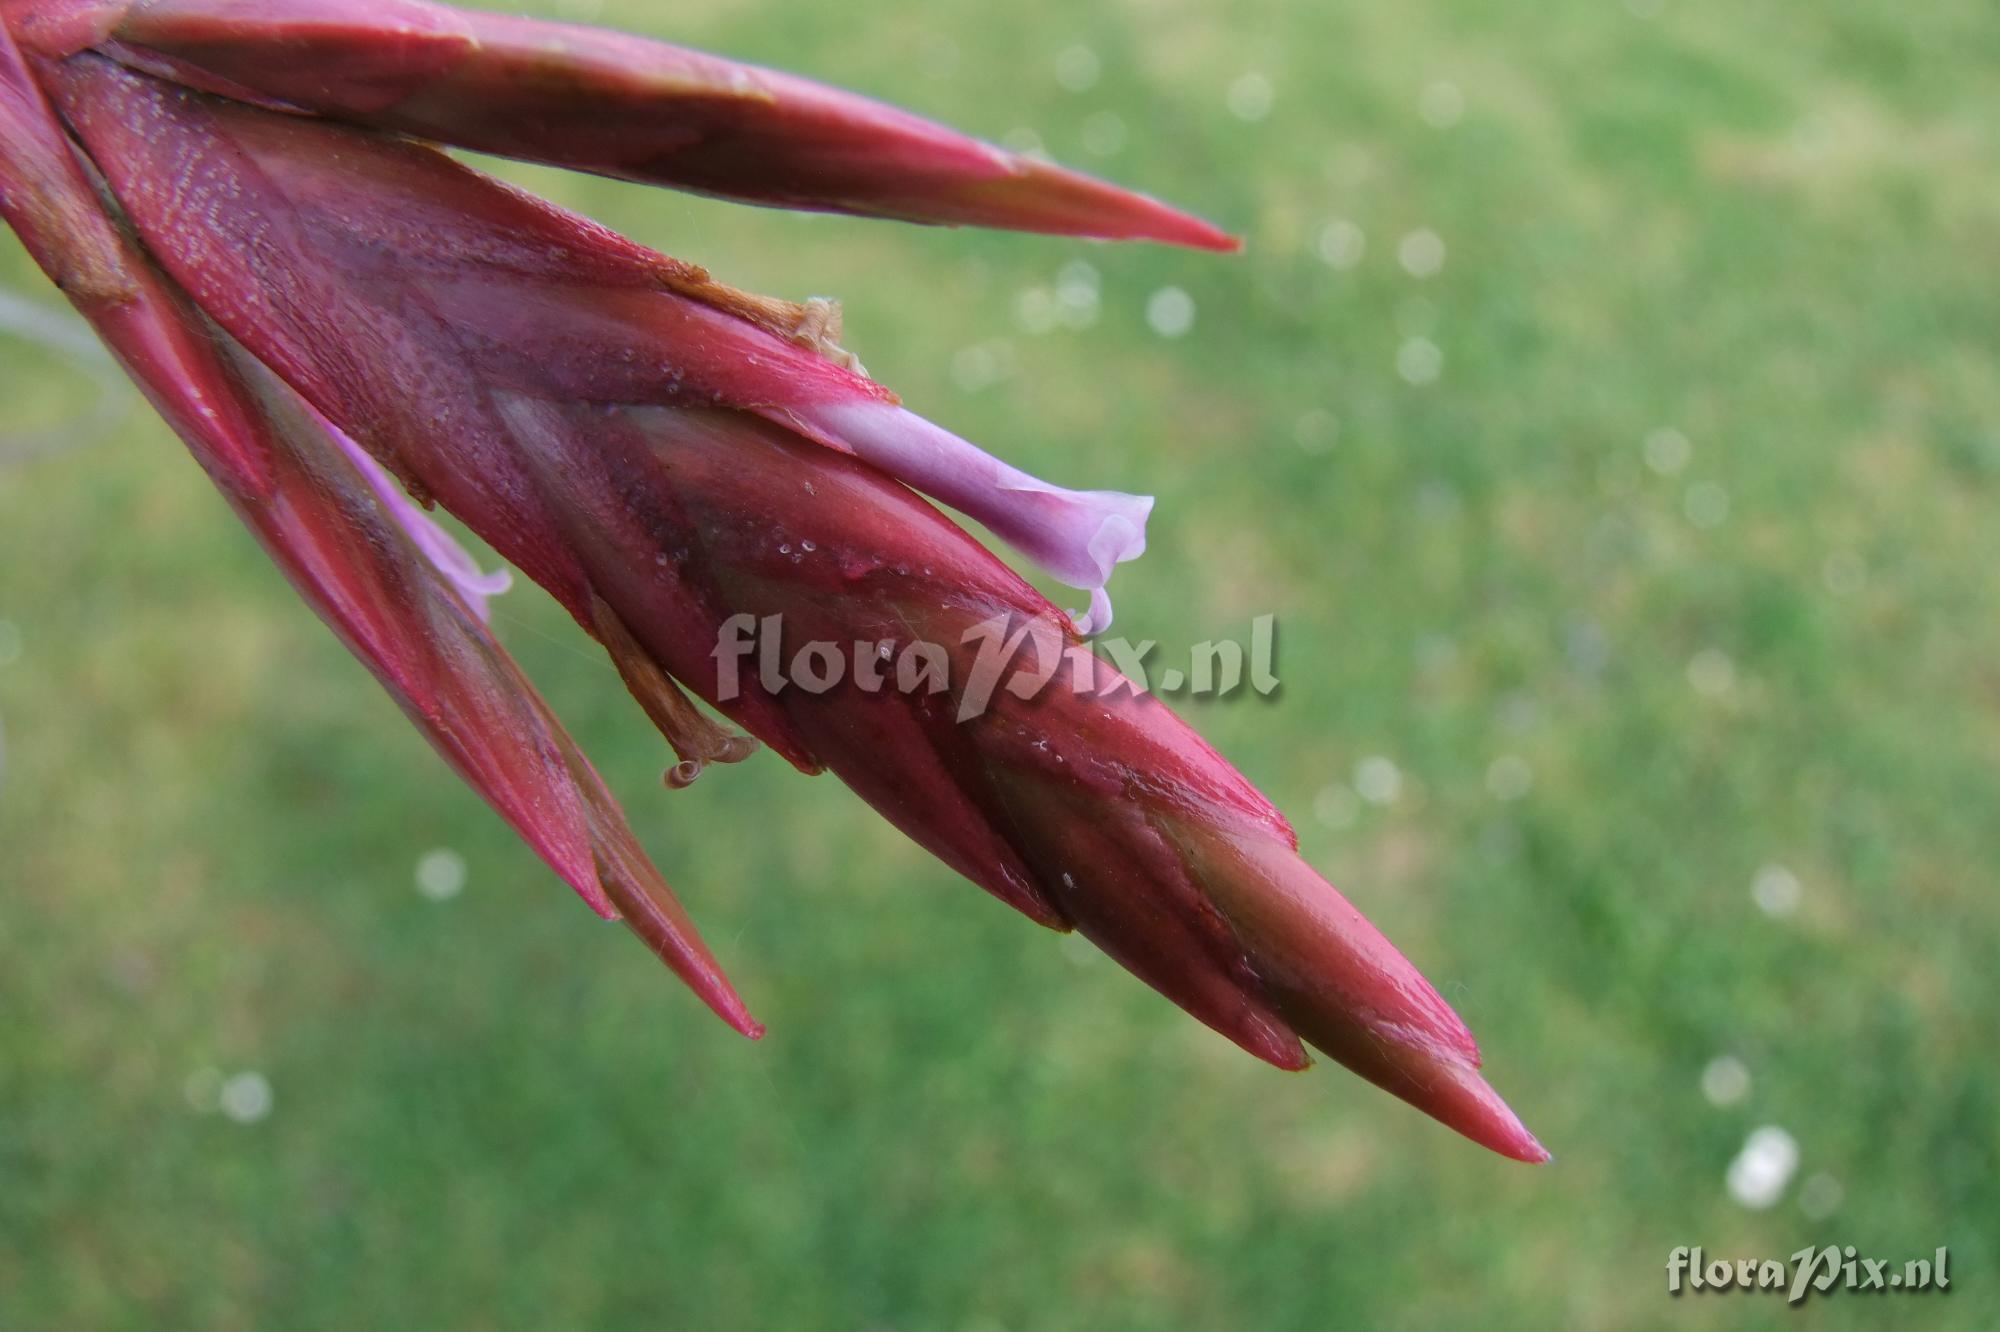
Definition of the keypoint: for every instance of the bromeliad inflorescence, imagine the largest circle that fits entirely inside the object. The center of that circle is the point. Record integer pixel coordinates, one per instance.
(242, 197)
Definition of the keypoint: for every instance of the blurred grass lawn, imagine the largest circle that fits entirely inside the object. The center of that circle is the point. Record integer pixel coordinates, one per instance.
(1770, 232)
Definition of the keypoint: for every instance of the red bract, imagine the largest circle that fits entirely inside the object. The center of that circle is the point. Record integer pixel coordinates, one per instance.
(340, 543)
(600, 101)
(685, 467)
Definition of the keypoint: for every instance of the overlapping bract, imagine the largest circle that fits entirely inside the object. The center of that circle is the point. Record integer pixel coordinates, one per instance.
(600, 101)
(320, 517)
(666, 456)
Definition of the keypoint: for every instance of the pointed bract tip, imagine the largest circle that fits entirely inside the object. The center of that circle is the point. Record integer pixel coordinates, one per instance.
(721, 998)
(1263, 1034)
(1344, 988)
(1037, 195)
(689, 959)
(1440, 1083)
(1465, 1101)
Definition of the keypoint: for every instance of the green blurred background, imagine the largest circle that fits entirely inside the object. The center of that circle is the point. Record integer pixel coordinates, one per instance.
(1607, 407)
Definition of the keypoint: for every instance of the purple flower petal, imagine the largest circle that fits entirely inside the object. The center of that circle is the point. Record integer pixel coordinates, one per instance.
(439, 546)
(1079, 536)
